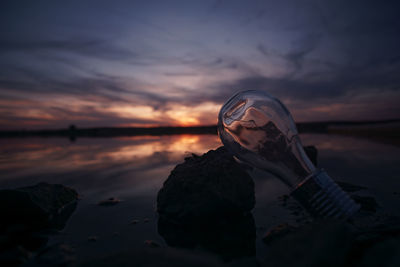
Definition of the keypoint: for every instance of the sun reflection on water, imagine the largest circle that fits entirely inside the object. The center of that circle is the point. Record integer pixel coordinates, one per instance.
(45, 155)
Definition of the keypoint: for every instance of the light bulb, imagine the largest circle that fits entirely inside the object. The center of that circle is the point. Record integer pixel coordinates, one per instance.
(258, 129)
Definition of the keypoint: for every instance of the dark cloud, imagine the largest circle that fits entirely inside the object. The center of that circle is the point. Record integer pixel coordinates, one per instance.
(308, 53)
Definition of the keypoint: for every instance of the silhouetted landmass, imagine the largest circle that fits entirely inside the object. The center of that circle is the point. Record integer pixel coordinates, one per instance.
(386, 128)
(111, 131)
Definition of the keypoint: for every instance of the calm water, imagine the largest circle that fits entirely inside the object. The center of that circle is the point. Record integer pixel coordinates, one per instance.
(134, 168)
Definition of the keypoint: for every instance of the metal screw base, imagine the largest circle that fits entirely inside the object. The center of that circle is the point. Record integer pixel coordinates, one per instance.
(322, 197)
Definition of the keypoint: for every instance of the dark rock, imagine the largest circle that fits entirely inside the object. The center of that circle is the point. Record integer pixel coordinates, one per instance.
(28, 215)
(109, 202)
(152, 244)
(206, 187)
(37, 207)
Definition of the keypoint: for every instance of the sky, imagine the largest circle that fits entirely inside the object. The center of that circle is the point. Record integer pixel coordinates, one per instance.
(158, 63)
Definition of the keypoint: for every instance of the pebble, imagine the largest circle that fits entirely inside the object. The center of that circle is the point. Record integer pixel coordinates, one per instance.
(109, 202)
(152, 244)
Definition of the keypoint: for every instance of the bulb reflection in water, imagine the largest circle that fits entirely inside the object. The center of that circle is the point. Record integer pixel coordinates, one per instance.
(258, 129)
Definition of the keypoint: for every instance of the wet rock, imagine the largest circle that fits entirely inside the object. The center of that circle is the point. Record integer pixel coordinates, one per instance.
(206, 187)
(29, 215)
(37, 207)
(109, 202)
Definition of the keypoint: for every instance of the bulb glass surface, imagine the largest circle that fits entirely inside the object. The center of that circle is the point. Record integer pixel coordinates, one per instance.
(259, 130)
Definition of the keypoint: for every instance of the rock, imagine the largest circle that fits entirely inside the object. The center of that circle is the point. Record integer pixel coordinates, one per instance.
(152, 244)
(37, 207)
(206, 187)
(27, 215)
(134, 221)
(109, 202)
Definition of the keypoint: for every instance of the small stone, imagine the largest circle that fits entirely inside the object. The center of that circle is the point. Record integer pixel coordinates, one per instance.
(37, 207)
(134, 221)
(152, 244)
(92, 238)
(109, 202)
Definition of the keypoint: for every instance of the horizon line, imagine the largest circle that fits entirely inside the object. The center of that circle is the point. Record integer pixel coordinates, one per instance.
(74, 128)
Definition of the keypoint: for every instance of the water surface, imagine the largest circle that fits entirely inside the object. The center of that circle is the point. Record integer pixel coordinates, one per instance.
(133, 169)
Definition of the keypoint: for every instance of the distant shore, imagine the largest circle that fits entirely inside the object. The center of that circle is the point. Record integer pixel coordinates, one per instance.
(386, 127)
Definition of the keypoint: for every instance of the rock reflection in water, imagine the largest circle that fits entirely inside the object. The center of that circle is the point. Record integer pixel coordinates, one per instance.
(231, 237)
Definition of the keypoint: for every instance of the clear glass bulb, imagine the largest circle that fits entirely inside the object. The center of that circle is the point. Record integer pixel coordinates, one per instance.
(259, 130)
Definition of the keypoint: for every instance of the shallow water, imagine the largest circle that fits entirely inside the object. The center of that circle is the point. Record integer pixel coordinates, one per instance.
(133, 169)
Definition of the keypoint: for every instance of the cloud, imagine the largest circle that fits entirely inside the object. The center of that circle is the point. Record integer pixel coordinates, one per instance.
(319, 58)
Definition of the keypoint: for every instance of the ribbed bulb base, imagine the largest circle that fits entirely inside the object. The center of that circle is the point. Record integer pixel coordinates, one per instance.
(322, 197)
